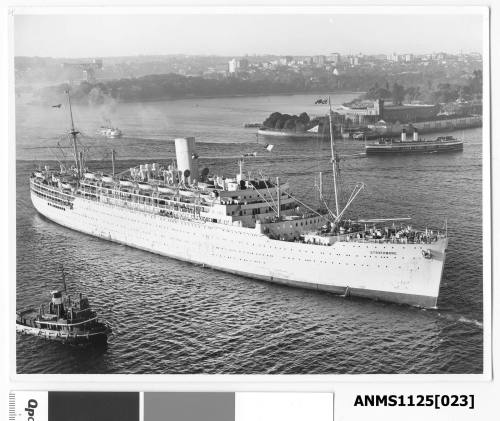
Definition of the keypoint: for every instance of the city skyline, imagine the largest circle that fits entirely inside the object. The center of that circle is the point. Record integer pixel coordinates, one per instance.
(236, 35)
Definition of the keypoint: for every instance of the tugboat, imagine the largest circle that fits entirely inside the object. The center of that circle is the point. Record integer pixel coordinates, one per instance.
(67, 320)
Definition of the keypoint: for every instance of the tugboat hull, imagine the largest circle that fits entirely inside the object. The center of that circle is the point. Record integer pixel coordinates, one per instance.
(65, 337)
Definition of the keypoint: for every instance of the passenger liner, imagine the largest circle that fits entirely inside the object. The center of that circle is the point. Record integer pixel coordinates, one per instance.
(253, 227)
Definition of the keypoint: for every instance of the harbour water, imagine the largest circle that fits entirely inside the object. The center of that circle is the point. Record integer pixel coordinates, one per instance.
(174, 317)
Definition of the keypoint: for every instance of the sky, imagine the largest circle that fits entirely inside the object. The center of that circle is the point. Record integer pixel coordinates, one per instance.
(238, 35)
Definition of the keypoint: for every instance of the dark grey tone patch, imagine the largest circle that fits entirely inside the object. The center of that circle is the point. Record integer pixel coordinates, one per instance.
(93, 406)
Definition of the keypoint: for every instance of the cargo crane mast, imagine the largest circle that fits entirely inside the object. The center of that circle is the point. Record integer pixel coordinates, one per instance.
(357, 188)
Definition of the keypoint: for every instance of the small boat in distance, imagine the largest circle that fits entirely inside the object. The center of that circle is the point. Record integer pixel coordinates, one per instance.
(417, 145)
(109, 131)
(67, 320)
(312, 134)
(252, 125)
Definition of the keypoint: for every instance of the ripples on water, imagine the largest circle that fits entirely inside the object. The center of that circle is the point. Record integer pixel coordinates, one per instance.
(174, 317)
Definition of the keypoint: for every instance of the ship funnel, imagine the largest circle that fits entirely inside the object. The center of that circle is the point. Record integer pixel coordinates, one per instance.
(415, 135)
(187, 159)
(56, 297)
(57, 304)
(403, 135)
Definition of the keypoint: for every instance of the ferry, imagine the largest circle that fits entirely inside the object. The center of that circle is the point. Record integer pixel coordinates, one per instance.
(251, 226)
(417, 145)
(109, 131)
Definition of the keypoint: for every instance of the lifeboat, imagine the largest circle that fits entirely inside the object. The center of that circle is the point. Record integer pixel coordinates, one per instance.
(89, 175)
(39, 174)
(145, 186)
(66, 186)
(163, 189)
(126, 183)
(186, 193)
(107, 179)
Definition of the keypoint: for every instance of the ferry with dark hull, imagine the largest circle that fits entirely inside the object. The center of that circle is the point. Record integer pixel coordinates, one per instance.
(417, 145)
(251, 226)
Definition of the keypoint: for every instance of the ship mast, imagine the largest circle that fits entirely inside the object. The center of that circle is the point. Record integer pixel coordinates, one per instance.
(278, 193)
(73, 135)
(332, 147)
(113, 160)
(63, 276)
(357, 188)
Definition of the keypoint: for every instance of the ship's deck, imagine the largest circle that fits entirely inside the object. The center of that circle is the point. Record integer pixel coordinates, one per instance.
(182, 208)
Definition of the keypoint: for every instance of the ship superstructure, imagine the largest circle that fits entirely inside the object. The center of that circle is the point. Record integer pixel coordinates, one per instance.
(252, 226)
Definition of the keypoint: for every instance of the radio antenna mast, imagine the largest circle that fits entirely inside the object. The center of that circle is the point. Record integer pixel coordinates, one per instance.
(63, 276)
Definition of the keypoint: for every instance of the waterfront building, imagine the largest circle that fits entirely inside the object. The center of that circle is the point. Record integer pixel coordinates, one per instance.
(242, 64)
(393, 57)
(232, 66)
(334, 58)
(319, 60)
(373, 111)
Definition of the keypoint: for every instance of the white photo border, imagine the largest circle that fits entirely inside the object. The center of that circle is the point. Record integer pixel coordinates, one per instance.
(223, 382)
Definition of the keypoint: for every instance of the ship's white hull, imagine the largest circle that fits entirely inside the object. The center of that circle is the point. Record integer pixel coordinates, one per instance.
(390, 272)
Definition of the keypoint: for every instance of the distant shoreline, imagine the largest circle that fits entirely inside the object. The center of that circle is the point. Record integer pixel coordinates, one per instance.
(321, 93)
(191, 97)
